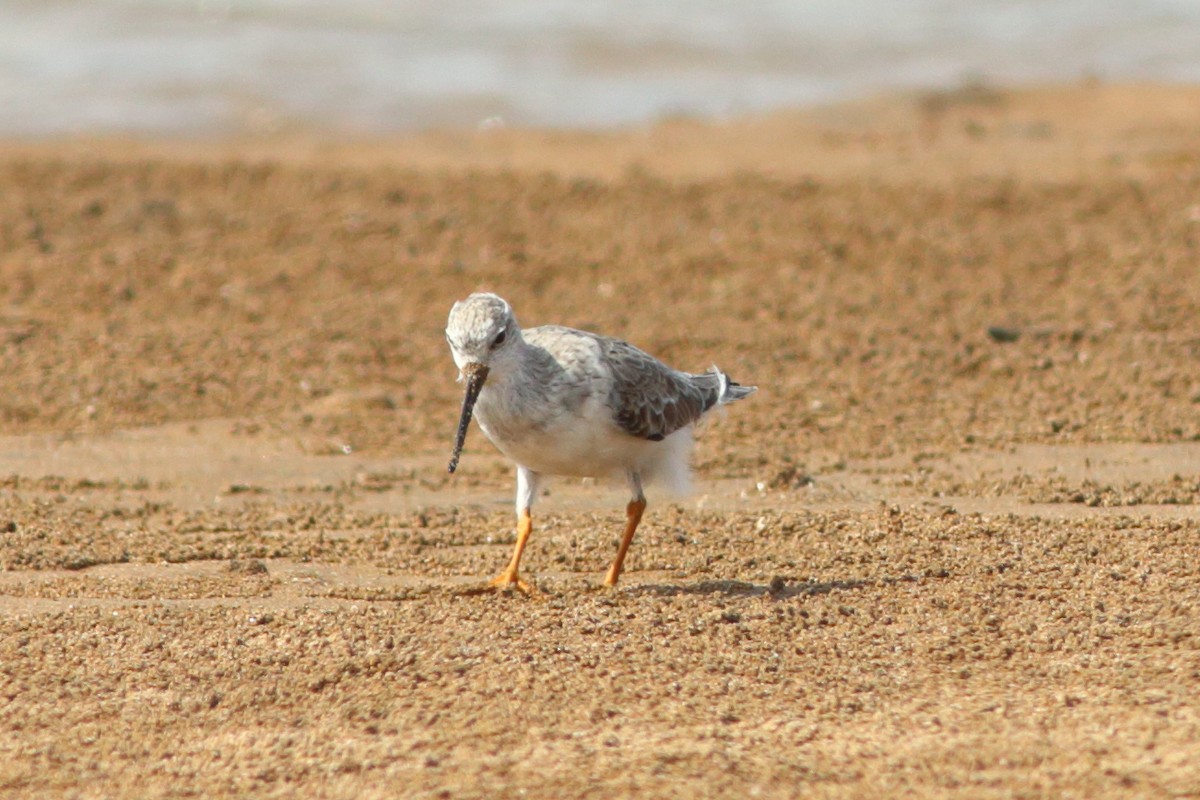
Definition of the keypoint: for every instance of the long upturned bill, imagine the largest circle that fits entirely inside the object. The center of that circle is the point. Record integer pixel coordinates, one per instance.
(475, 374)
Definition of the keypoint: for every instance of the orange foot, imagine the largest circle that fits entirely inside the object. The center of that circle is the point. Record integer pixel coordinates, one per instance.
(510, 579)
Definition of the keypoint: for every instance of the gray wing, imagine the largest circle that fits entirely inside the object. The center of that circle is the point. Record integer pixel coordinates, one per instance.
(649, 399)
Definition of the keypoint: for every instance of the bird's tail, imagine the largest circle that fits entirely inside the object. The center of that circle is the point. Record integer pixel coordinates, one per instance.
(726, 391)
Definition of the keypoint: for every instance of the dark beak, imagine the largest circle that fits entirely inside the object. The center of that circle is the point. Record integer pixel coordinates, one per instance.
(476, 374)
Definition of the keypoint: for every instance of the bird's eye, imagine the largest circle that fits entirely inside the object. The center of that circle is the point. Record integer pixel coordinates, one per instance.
(499, 340)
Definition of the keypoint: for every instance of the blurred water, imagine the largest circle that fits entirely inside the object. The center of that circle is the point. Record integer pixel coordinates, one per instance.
(374, 66)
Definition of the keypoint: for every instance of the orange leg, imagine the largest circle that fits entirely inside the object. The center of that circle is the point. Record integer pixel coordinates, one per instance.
(510, 577)
(633, 515)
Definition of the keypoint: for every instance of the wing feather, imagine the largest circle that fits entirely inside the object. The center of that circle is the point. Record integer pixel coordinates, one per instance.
(649, 399)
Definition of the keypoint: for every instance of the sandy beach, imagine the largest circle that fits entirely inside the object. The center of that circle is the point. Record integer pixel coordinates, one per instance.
(947, 551)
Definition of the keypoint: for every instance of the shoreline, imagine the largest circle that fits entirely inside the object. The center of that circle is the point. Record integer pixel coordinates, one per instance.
(1088, 129)
(947, 550)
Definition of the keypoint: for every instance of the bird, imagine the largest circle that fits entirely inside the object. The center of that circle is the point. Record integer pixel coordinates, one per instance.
(565, 402)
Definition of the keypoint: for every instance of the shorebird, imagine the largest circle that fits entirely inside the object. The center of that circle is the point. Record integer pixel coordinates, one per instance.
(559, 401)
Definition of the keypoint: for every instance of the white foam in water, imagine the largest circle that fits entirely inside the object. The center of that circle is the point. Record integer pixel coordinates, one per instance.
(374, 66)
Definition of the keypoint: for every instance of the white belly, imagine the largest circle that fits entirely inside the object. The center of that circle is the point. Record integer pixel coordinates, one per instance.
(587, 444)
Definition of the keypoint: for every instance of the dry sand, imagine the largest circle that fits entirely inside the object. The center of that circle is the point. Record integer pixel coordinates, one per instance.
(949, 549)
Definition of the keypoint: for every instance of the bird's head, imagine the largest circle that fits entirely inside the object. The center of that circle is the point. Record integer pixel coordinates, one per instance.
(481, 332)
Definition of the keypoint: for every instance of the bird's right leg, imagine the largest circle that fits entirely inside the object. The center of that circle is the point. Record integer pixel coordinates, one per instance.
(633, 516)
(527, 485)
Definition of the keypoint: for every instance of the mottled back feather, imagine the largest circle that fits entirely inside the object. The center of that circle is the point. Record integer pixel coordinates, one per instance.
(649, 399)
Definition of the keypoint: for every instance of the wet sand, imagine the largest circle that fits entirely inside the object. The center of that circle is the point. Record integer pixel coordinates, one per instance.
(948, 549)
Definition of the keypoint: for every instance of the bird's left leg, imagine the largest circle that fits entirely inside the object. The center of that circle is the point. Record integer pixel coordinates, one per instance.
(527, 485)
(633, 515)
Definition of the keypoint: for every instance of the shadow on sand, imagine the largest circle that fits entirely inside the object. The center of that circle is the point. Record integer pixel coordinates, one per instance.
(779, 588)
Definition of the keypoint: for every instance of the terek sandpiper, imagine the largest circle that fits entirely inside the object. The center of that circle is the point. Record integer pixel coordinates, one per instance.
(559, 401)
